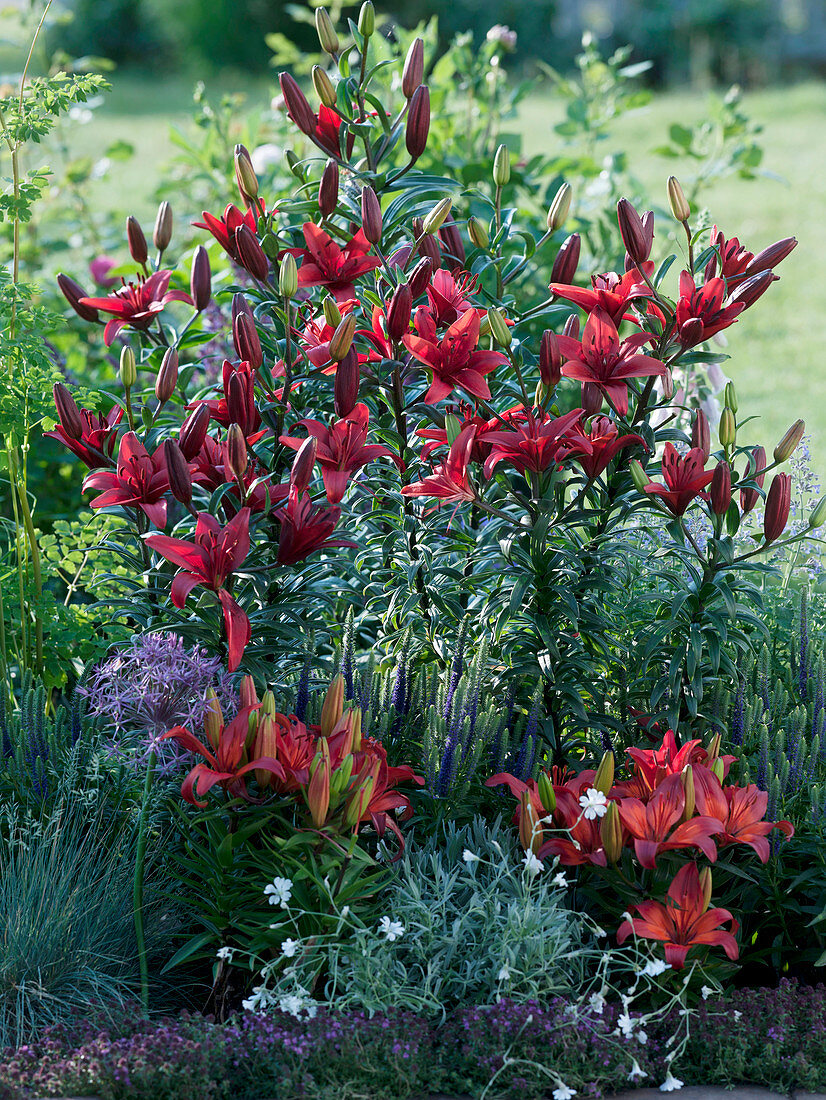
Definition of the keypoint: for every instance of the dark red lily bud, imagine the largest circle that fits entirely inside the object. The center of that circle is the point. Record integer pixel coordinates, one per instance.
(73, 292)
(752, 288)
(691, 332)
(138, 248)
(778, 504)
(370, 215)
(398, 312)
(68, 412)
(247, 343)
(571, 327)
(418, 122)
(454, 247)
(346, 386)
(241, 305)
(328, 189)
(162, 233)
(428, 246)
(701, 434)
(237, 396)
(413, 71)
(550, 359)
(200, 279)
(637, 232)
(180, 478)
(567, 260)
(750, 497)
(770, 257)
(591, 398)
(301, 472)
(250, 254)
(235, 452)
(194, 431)
(167, 378)
(720, 490)
(420, 277)
(298, 108)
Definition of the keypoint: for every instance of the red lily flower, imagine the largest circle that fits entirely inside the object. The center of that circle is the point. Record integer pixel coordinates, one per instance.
(315, 338)
(454, 360)
(447, 296)
(371, 761)
(601, 360)
(610, 292)
(651, 824)
(685, 479)
(214, 555)
(306, 528)
(137, 304)
(741, 810)
(223, 765)
(605, 443)
(537, 441)
(683, 922)
(208, 471)
(342, 449)
(734, 258)
(139, 480)
(653, 765)
(223, 229)
(438, 436)
(450, 480)
(328, 132)
(706, 304)
(99, 435)
(238, 405)
(327, 264)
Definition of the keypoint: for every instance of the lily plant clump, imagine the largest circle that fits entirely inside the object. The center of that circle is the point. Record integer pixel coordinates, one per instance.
(395, 432)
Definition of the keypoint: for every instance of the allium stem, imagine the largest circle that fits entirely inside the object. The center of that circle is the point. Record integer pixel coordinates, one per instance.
(137, 889)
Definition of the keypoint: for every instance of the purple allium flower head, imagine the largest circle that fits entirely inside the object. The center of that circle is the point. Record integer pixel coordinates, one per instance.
(151, 685)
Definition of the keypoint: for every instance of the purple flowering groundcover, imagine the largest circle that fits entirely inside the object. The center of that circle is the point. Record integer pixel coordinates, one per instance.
(776, 1037)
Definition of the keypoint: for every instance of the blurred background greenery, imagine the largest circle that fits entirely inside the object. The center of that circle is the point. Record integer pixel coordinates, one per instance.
(774, 49)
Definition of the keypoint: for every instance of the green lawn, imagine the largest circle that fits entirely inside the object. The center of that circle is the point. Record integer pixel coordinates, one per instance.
(777, 348)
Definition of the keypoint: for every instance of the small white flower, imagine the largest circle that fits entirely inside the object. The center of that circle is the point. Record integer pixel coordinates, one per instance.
(291, 1004)
(564, 1092)
(654, 967)
(279, 891)
(289, 948)
(600, 933)
(596, 1002)
(532, 865)
(504, 974)
(224, 953)
(671, 1083)
(345, 910)
(707, 992)
(560, 880)
(636, 1071)
(626, 1024)
(594, 804)
(391, 929)
(737, 1014)
(469, 857)
(642, 1037)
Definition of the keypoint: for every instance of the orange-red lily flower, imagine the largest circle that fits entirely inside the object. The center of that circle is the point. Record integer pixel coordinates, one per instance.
(450, 480)
(683, 922)
(651, 824)
(223, 765)
(537, 441)
(741, 810)
(611, 293)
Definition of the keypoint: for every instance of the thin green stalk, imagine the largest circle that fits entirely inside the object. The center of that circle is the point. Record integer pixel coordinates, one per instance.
(137, 889)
